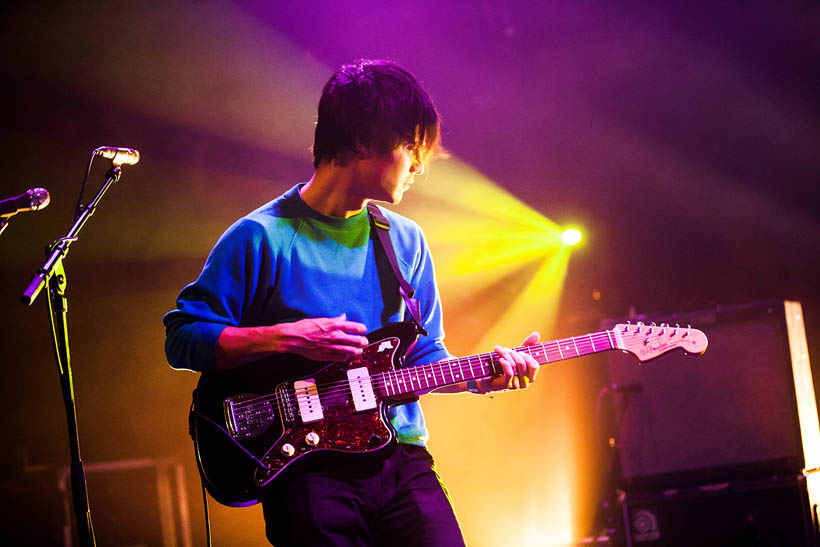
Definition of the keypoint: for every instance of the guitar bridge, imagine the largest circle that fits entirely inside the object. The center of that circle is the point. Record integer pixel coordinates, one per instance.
(248, 415)
(285, 403)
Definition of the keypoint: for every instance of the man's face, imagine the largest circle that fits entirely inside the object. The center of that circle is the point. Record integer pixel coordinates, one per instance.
(393, 173)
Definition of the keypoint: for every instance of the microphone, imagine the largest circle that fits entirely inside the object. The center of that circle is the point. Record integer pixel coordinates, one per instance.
(30, 200)
(118, 156)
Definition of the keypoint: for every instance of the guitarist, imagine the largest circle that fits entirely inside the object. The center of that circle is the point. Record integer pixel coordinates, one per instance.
(300, 275)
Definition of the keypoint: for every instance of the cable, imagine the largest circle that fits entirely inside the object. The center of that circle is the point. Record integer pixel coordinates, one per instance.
(207, 514)
(230, 438)
(78, 208)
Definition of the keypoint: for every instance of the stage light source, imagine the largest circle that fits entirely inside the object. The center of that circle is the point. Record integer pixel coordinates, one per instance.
(571, 236)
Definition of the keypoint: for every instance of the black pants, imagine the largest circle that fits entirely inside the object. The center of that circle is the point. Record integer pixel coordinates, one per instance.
(396, 501)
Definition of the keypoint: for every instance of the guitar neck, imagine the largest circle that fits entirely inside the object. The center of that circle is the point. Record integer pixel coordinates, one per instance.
(424, 378)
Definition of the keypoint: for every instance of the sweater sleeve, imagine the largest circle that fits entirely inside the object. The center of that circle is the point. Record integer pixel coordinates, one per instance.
(224, 289)
(430, 348)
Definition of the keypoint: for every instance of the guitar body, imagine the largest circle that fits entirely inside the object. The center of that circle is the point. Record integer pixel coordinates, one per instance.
(252, 423)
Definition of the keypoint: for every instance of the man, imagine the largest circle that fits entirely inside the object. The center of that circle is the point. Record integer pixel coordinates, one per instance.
(301, 275)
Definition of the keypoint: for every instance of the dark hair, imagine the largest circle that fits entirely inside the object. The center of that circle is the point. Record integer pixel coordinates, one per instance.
(371, 107)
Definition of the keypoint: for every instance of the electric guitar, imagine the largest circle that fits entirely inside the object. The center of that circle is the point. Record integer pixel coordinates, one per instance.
(252, 423)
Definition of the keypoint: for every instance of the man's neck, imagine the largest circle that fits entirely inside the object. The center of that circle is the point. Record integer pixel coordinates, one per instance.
(332, 192)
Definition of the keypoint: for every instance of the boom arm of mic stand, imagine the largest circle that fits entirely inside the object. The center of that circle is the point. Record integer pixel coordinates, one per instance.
(59, 249)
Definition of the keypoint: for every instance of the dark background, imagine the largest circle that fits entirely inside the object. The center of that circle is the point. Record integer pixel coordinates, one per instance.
(682, 136)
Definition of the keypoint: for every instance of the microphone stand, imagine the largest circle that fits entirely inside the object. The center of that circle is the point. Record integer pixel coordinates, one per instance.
(52, 273)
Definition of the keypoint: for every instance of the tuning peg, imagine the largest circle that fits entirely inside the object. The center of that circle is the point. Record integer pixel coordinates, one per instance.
(640, 324)
(688, 331)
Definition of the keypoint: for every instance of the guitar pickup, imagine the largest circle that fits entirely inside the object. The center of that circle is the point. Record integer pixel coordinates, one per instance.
(307, 397)
(361, 389)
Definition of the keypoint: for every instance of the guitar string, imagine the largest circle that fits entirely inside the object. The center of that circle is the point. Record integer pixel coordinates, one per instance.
(261, 401)
(331, 391)
(326, 392)
(377, 381)
(444, 363)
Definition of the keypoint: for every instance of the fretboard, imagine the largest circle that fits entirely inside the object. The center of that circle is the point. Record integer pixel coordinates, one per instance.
(424, 378)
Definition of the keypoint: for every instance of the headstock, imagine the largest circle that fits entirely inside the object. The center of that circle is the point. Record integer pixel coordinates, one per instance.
(649, 341)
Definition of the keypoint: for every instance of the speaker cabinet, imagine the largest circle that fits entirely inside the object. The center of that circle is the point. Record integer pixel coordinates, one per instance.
(767, 513)
(745, 408)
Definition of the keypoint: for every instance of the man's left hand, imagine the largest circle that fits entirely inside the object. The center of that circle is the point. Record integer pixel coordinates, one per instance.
(519, 368)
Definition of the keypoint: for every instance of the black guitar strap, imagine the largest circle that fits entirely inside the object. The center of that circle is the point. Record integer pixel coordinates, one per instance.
(382, 227)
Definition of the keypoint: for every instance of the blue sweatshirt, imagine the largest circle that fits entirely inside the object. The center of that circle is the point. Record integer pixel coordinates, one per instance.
(284, 262)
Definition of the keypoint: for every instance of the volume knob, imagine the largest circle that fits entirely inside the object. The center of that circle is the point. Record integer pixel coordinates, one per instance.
(288, 450)
(312, 438)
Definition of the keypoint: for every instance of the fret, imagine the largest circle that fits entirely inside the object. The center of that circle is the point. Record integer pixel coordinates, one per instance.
(584, 345)
(493, 365)
(569, 348)
(402, 382)
(396, 383)
(542, 351)
(581, 346)
(592, 342)
(386, 381)
(558, 349)
(565, 349)
(592, 347)
(576, 346)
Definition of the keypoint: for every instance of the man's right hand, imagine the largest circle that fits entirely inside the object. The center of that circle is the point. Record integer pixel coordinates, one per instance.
(320, 339)
(323, 339)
